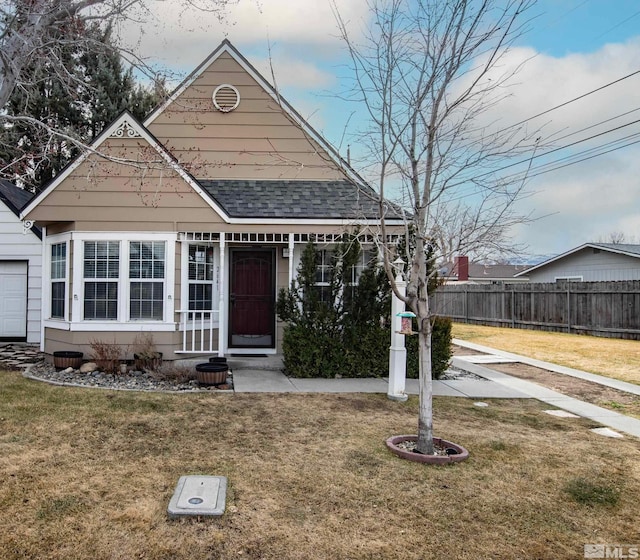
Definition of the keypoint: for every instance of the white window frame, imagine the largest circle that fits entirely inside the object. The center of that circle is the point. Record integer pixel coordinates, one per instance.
(48, 321)
(216, 282)
(356, 270)
(569, 279)
(123, 323)
(101, 280)
(142, 280)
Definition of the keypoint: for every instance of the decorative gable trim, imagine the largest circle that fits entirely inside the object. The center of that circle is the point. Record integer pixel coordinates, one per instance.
(125, 126)
(125, 130)
(227, 48)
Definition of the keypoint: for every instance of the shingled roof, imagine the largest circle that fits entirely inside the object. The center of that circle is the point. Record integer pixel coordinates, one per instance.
(14, 197)
(292, 199)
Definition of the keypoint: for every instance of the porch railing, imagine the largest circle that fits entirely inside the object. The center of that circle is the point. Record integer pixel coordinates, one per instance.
(197, 328)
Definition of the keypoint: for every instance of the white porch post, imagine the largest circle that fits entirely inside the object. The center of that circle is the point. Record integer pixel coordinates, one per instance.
(222, 316)
(397, 352)
(291, 271)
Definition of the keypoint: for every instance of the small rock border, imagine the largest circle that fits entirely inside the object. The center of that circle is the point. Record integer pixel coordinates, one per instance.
(133, 380)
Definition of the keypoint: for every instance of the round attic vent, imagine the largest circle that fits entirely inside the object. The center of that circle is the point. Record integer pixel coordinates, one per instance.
(226, 98)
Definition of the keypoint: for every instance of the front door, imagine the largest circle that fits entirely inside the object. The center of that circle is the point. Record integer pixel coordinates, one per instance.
(251, 299)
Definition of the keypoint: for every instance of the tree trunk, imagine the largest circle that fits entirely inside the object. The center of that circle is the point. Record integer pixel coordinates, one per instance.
(425, 414)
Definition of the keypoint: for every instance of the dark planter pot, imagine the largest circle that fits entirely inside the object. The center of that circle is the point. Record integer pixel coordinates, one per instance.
(64, 359)
(211, 373)
(141, 362)
(455, 453)
(218, 360)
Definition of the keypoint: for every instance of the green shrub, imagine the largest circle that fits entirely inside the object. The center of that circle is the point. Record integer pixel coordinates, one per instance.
(347, 331)
(440, 349)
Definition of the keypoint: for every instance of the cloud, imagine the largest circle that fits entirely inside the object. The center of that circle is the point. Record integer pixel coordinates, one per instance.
(590, 199)
(181, 36)
(292, 72)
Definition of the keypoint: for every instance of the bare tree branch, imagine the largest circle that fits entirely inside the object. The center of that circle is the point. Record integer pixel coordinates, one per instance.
(426, 75)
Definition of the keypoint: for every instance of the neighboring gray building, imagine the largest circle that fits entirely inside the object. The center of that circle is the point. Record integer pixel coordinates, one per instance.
(461, 271)
(591, 262)
(20, 269)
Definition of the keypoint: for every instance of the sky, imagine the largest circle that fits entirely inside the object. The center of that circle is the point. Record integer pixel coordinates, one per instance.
(572, 48)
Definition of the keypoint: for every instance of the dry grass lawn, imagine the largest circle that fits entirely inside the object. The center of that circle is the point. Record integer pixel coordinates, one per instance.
(619, 359)
(88, 474)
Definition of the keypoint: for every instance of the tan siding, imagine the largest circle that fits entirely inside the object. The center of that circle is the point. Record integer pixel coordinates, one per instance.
(263, 142)
(109, 196)
(55, 340)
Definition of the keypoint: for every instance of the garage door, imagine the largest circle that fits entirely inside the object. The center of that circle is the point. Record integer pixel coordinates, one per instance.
(13, 300)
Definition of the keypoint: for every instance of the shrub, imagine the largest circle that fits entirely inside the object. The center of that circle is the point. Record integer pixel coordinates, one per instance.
(440, 349)
(347, 331)
(106, 355)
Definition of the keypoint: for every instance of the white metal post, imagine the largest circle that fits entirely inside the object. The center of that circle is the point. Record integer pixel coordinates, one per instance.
(222, 315)
(397, 351)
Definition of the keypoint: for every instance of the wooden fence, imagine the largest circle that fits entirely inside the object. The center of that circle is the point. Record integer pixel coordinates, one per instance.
(608, 309)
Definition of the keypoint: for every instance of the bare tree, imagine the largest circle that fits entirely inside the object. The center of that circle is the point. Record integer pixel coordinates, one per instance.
(36, 37)
(617, 238)
(427, 72)
(456, 229)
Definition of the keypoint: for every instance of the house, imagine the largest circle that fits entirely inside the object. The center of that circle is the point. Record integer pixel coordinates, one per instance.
(461, 271)
(591, 262)
(20, 268)
(187, 225)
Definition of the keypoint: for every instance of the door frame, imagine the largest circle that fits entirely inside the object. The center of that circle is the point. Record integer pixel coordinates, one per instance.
(271, 251)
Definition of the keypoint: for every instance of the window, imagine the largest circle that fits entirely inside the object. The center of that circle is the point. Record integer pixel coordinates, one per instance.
(200, 278)
(101, 273)
(58, 279)
(324, 268)
(146, 274)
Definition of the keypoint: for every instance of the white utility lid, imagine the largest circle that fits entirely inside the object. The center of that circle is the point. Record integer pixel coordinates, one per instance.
(199, 495)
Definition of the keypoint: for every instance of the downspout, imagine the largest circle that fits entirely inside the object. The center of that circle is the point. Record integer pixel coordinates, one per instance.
(46, 270)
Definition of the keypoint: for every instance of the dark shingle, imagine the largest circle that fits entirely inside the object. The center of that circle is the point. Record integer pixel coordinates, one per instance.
(294, 199)
(14, 197)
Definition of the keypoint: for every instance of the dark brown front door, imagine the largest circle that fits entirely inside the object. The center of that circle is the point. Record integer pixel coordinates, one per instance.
(252, 294)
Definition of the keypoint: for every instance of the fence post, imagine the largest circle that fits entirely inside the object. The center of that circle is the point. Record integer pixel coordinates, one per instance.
(397, 351)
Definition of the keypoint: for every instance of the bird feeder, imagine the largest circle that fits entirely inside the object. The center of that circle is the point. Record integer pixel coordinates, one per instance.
(406, 318)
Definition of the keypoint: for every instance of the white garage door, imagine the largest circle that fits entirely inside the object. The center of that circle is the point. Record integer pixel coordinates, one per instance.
(13, 300)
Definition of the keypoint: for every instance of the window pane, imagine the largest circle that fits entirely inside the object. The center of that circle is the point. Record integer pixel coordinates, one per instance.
(101, 259)
(146, 300)
(57, 300)
(200, 297)
(58, 261)
(100, 300)
(200, 262)
(146, 259)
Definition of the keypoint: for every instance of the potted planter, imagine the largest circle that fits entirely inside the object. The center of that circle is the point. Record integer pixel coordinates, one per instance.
(212, 373)
(63, 359)
(453, 453)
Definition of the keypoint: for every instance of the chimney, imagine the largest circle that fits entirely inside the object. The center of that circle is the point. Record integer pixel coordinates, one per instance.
(462, 268)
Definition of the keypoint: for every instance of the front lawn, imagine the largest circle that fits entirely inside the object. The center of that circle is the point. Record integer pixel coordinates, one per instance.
(88, 474)
(611, 357)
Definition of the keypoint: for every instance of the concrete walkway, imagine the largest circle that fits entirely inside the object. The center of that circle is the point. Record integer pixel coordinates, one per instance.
(251, 375)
